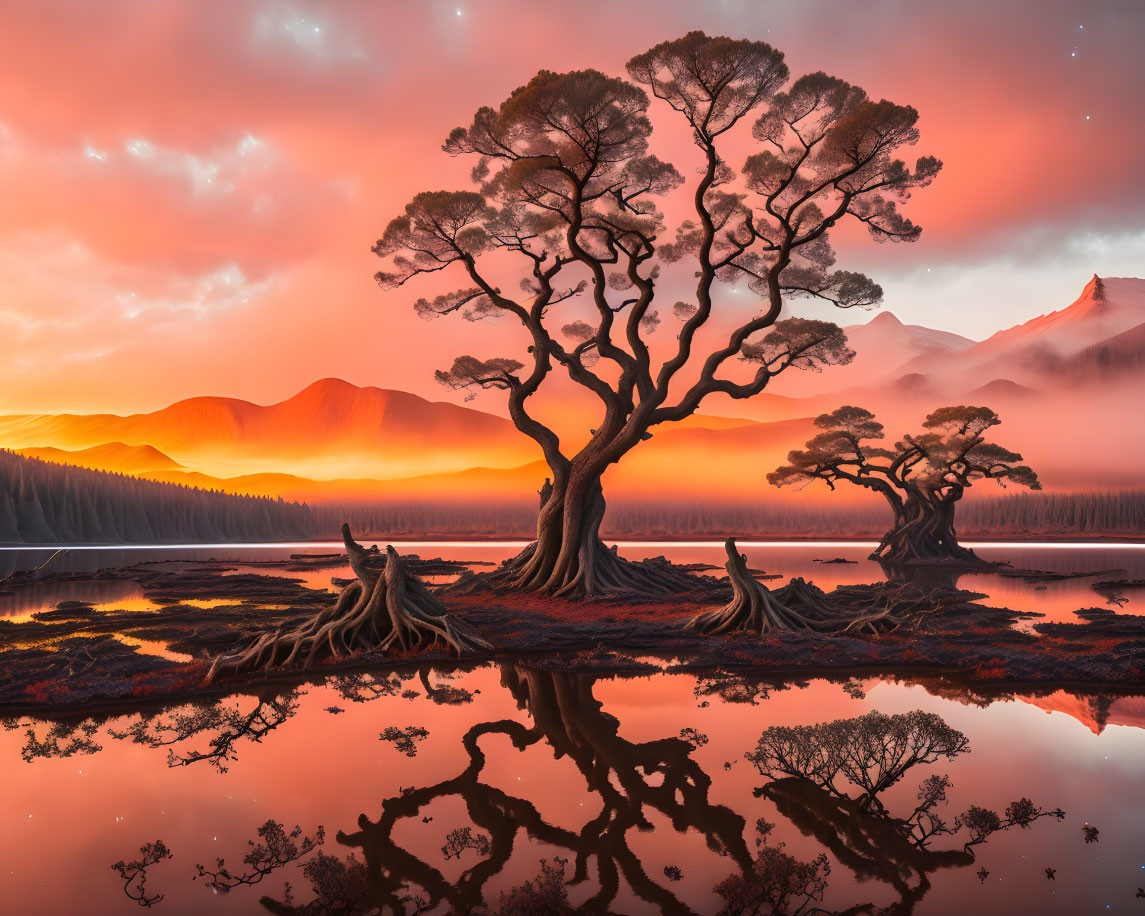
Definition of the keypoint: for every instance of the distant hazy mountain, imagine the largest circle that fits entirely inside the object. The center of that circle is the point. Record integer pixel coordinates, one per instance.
(1106, 361)
(1106, 307)
(678, 461)
(1066, 384)
(111, 456)
(330, 428)
(1047, 345)
(885, 348)
(1095, 713)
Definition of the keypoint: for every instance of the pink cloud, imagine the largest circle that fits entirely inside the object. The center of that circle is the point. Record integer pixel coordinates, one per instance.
(175, 144)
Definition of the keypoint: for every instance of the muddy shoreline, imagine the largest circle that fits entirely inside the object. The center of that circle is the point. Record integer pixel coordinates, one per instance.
(75, 658)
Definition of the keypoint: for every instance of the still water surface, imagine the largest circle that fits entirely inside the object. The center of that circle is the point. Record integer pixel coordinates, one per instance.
(568, 770)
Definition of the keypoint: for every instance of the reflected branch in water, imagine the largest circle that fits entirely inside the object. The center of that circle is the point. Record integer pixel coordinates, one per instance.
(404, 739)
(276, 849)
(624, 774)
(62, 739)
(444, 694)
(229, 724)
(393, 870)
(870, 845)
(134, 873)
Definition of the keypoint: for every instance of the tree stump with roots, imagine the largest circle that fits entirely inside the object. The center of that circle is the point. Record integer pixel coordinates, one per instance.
(797, 607)
(386, 608)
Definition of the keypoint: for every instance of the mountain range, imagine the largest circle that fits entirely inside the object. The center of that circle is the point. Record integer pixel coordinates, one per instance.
(1066, 384)
(1092, 341)
(1095, 713)
(329, 428)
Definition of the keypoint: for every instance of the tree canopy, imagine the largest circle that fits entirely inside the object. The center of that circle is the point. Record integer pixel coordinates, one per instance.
(562, 232)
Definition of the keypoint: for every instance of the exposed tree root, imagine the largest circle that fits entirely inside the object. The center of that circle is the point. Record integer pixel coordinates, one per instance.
(600, 570)
(385, 608)
(798, 606)
(928, 542)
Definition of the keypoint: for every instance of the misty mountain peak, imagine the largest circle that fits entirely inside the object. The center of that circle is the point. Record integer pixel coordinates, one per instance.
(884, 319)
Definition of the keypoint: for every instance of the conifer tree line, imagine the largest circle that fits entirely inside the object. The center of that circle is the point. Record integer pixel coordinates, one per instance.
(1009, 515)
(46, 503)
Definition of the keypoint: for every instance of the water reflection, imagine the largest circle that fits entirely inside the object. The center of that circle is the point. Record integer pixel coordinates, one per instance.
(629, 778)
(274, 849)
(809, 767)
(636, 795)
(21, 604)
(134, 873)
(43, 740)
(226, 723)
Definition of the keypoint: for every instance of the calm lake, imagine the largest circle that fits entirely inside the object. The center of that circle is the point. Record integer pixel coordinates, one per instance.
(640, 784)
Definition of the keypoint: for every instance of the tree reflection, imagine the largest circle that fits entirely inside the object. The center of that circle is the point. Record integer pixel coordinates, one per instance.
(45, 740)
(832, 781)
(925, 577)
(361, 687)
(227, 724)
(872, 751)
(275, 849)
(738, 688)
(340, 887)
(134, 873)
(777, 884)
(546, 894)
(631, 779)
(404, 739)
(811, 767)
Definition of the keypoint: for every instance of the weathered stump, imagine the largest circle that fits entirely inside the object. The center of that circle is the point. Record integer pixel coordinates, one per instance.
(798, 606)
(385, 608)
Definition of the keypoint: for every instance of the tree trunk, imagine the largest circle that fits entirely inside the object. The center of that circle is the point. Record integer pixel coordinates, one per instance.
(568, 558)
(658, 775)
(924, 533)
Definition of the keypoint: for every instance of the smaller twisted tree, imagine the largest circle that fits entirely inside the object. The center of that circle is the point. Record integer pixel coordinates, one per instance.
(922, 478)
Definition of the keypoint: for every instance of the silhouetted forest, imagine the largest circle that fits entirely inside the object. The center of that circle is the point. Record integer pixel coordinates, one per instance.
(41, 502)
(1107, 513)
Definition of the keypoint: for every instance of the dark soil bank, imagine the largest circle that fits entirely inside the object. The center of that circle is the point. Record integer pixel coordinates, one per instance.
(75, 656)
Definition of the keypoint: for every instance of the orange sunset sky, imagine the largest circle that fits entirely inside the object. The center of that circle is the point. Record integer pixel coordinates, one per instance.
(189, 190)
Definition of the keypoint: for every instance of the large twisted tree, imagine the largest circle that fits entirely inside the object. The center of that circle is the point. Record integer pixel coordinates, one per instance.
(922, 478)
(563, 235)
